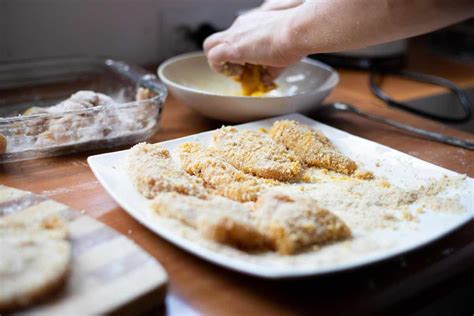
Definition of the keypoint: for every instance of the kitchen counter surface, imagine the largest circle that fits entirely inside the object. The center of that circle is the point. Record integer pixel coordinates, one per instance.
(403, 284)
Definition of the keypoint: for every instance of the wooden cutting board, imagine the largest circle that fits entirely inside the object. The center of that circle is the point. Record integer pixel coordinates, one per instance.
(110, 273)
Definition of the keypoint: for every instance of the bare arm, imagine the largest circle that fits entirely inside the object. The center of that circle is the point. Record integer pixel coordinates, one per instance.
(283, 31)
(340, 24)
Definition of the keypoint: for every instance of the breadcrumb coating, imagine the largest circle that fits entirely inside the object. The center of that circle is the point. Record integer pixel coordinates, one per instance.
(254, 80)
(44, 224)
(152, 170)
(219, 175)
(256, 153)
(364, 175)
(279, 222)
(35, 257)
(293, 223)
(242, 166)
(311, 146)
(218, 219)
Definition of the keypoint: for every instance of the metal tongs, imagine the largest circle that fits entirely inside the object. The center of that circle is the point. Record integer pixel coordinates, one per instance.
(343, 107)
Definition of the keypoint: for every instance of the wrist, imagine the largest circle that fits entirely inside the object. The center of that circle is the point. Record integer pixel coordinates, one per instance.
(298, 32)
(291, 41)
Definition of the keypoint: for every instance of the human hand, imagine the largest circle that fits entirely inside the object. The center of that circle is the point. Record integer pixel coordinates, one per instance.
(259, 37)
(281, 32)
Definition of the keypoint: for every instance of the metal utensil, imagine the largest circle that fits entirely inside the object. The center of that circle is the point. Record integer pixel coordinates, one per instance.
(343, 107)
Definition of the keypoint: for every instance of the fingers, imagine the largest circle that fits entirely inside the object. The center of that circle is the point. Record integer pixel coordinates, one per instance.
(257, 37)
(232, 70)
(213, 40)
(221, 54)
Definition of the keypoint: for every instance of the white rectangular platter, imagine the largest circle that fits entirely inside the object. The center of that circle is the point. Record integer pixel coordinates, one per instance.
(367, 246)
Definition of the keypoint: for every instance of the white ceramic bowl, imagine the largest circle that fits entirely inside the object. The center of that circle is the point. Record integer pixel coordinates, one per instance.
(301, 88)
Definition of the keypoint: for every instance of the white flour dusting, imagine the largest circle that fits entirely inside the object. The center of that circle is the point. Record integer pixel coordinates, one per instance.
(377, 212)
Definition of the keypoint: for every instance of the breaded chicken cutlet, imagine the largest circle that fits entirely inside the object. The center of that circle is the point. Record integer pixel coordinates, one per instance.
(218, 219)
(254, 79)
(35, 257)
(222, 177)
(152, 171)
(312, 147)
(293, 223)
(256, 153)
(277, 222)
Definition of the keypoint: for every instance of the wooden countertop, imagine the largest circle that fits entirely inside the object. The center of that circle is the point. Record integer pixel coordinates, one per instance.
(403, 284)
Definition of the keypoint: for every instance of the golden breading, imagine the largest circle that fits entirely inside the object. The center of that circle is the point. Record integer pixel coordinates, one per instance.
(311, 146)
(364, 175)
(219, 175)
(278, 222)
(254, 79)
(293, 222)
(256, 153)
(152, 171)
(219, 219)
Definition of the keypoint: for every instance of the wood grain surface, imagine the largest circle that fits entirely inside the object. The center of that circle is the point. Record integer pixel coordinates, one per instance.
(109, 273)
(403, 284)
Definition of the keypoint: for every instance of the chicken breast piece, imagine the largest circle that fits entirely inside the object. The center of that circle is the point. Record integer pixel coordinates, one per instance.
(256, 153)
(35, 258)
(277, 222)
(254, 79)
(293, 223)
(218, 219)
(47, 223)
(152, 170)
(31, 268)
(222, 177)
(311, 146)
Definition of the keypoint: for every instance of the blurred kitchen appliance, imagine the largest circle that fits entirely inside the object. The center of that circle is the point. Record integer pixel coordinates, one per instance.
(389, 59)
(456, 42)
(387, 56)
(441, 103)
